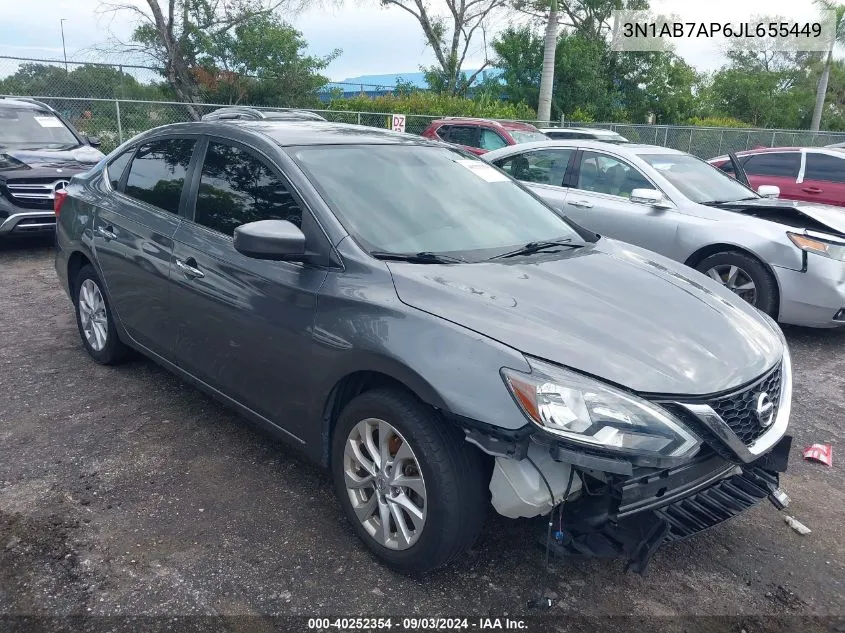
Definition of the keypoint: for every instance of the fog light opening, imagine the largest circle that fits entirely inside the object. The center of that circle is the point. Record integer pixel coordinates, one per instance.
(840, 315)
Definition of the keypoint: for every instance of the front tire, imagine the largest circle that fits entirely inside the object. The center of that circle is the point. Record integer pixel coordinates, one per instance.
(745, 276)
(409, 483)
(94, 319)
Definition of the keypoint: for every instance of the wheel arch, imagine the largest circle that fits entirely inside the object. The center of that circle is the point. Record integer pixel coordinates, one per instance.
(75, 262)
(722, 247)
(356, 382)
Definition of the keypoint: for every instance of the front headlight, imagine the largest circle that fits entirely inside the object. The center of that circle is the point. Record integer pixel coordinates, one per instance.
(809, 244)
(588, 413)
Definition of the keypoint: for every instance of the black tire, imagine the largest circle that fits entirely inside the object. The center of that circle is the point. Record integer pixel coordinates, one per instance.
(456, 491)
(765, 284)
(114, 350)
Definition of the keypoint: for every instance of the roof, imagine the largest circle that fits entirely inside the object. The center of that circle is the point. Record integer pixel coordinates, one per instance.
(833, 151)
(29, 104)
(626, 148)
(289, 133)
(581, 130)
(508, 125)
(230, 113)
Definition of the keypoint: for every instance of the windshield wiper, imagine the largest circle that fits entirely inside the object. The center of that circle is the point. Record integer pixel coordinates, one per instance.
(536, 247)
(424, 257)
(715, 202)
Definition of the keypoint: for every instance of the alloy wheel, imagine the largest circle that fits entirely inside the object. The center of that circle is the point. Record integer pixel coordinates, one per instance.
(736, 280)
(385, 484)
(92, 314)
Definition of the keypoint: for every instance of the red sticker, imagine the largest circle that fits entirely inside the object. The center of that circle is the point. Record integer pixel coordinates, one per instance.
(822, 453)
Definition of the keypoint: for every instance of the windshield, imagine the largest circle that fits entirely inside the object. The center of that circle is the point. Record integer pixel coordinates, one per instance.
(24, 128)
(697, 180)
(413, 198)
(523, 136)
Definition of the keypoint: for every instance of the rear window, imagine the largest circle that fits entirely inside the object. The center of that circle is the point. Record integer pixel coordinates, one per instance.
(527, 136)
(157, 173)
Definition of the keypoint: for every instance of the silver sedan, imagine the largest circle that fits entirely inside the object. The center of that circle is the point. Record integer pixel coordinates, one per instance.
(785, 257)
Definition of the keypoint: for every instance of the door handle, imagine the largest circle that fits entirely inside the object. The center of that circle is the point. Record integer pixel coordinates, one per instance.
(106, 232)
(189, 268)
(581, 203)
(812, 190)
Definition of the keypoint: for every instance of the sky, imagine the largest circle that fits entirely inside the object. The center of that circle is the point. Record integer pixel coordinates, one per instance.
(373, 39)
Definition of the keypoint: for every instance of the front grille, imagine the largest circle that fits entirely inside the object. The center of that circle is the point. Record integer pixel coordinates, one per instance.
(720, 502)
(739, 410)
(37, 193)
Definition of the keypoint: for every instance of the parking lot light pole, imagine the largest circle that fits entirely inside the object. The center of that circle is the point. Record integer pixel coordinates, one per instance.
(64, 50)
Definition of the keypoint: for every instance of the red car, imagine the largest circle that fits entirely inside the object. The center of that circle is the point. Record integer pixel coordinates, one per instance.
(813, 174)
(482, 135)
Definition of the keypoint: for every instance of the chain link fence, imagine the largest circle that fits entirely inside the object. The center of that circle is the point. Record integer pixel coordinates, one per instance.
(117, 101)
(116, 120)
(72, 78)
(709, 142)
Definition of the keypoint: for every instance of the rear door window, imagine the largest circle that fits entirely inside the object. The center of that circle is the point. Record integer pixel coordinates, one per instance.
(785, 165)
(824, 167)
(546, 166)
(157, 173)
(464, 135)
(237, 187)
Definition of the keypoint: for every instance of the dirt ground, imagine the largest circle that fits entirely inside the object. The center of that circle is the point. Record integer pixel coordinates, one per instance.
(125, 492)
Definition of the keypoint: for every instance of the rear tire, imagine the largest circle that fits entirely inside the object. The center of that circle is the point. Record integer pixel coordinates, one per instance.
(738, 272)
(94, 318)
(448, 492)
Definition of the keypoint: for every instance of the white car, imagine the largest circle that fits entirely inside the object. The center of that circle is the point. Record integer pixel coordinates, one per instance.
(584, 133)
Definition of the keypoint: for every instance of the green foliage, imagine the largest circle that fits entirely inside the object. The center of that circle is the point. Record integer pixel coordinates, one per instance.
(33, 79)
(263, 61)
(519, 54)
(717, 121)
(581, 116)
(432, 103)
(595, 82)
(763, 89)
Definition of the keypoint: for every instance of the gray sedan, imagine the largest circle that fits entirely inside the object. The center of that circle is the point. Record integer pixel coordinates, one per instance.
(785, 257)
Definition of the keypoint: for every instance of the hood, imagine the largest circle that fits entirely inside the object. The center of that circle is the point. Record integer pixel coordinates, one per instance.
(74, 160)
(611, 310)
(831, 217)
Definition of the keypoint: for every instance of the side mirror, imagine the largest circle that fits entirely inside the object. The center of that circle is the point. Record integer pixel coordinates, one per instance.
(93, 141)
(277, 240)
(769, 191)
(650, 197)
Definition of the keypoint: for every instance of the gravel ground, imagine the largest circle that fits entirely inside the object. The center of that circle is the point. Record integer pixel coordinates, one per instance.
(124, 491)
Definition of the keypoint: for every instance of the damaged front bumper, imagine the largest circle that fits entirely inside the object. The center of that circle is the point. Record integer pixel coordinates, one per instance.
(632, 517)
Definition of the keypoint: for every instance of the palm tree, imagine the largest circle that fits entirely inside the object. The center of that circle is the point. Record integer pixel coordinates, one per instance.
(544, 106)
(821, 89)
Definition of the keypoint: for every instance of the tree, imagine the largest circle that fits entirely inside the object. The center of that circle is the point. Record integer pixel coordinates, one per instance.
(171, 33)
(519, 55)
(764, 88)
(656, 83)
(262, 59)
(450, 37)
(821, 88)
